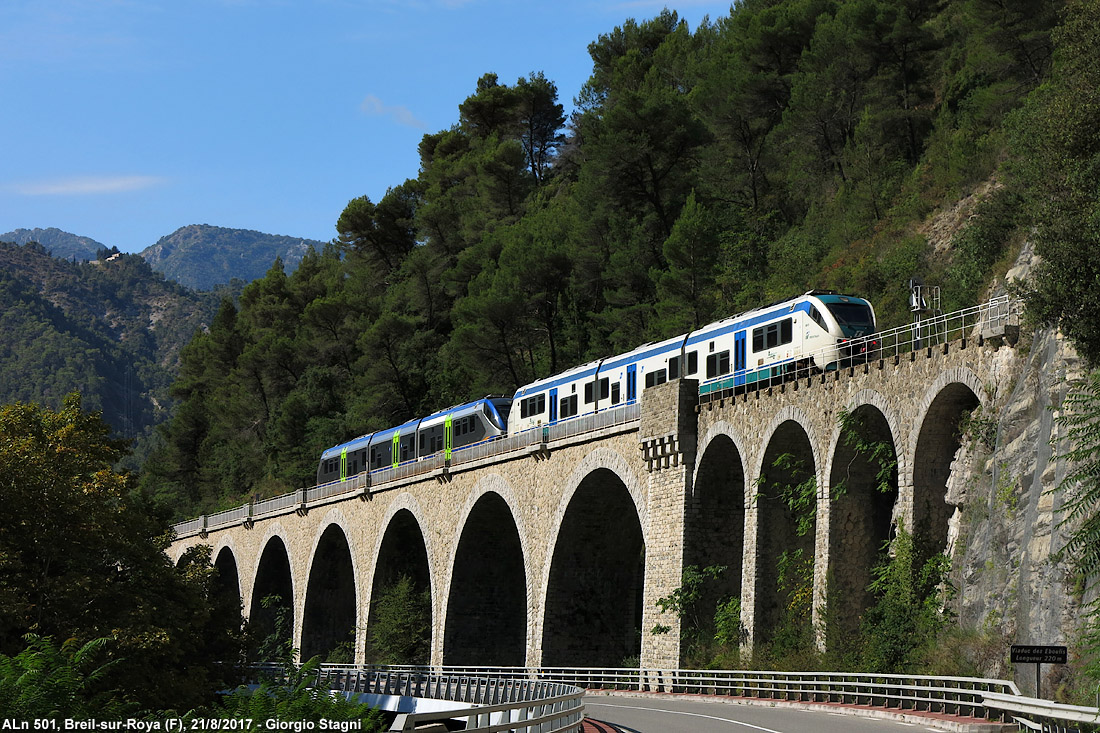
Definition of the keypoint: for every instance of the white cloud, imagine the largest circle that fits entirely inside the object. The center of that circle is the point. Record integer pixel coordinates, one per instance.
(372, 106)
(85, 185)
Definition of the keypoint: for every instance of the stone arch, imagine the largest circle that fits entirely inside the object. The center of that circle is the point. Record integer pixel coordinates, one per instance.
(864, 500)
(714, 531)
(227, 582)
(789, 462)
(595, 570)
(402, 552)
(934, 442)
(331, 593)
(274, 577)
(485, 618)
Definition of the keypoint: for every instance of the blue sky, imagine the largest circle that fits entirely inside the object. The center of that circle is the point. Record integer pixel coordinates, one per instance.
(127, 119)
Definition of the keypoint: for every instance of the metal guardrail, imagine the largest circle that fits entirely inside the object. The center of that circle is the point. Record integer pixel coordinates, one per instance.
(949, 695)
(490, 704)
(1043, 715)
(990, 699)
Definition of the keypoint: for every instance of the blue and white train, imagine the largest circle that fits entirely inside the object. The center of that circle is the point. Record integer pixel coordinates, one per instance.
(816, 331)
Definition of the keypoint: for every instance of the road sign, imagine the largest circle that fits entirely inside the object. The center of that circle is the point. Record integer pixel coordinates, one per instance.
(1036, 654)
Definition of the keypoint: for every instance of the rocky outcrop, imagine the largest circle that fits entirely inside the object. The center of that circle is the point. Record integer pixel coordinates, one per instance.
(1005, 486)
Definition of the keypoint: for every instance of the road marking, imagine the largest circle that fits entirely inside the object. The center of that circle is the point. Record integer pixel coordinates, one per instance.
(676, 712)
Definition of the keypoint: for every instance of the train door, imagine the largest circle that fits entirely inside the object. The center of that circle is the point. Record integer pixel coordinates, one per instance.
(343, 464)
(631, 383)
(553, 406)
(448, 437)
(739, 358)
(396, 448)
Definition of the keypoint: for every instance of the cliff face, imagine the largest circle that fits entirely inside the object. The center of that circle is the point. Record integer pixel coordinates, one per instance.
(1007, 523)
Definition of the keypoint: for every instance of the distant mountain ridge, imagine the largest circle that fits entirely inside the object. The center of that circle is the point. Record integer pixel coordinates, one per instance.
(201, 256)
(60, 244)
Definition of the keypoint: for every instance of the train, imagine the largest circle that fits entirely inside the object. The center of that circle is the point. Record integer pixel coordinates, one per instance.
(817, 331)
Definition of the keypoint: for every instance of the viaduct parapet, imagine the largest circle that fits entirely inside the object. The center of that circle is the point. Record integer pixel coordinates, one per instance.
(555, 550)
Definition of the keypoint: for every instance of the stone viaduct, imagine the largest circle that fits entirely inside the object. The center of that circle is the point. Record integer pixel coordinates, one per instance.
(555, 550)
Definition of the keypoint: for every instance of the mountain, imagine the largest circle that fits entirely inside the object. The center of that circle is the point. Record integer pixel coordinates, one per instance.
(201, 256)
(60, 244)
(110, 329)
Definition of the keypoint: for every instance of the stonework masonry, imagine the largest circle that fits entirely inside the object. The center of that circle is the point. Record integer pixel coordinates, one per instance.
(589, 532)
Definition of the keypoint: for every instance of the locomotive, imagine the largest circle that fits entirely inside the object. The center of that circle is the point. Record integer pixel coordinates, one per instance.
(817, 331)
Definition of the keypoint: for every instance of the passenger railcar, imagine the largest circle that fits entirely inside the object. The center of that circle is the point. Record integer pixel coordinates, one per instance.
(445, 431)
(817, 330)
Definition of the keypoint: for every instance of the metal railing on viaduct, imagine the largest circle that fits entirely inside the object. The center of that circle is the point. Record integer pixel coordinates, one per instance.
(550, 698)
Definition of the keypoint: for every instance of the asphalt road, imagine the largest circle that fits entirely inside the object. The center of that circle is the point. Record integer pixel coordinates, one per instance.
(644, 715)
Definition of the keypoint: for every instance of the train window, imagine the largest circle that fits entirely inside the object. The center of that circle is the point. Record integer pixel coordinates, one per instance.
(772, 335)
(855, 318)
(604, 390)
(652, 379)
(532, 406)
(674, 368)
(567, 407)
(615, 393)
(693, 362)
(815, 314)
(718, 364)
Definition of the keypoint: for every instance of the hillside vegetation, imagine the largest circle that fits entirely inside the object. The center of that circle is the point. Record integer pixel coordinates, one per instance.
(791, 145)
(110, 329)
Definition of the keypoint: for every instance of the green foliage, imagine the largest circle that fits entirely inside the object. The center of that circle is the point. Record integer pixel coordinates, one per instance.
(400, 624)
(702, 639)
(291, 695)
(799, 498)
(880, 453)
(980, 245)
(1079, 419)
(793, 636)
(908, 616)
(1057, 145)
(82, 557)
(43, 682)
(980, 427)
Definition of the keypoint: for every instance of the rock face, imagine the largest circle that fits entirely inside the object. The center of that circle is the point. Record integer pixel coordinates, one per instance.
(1007, 524)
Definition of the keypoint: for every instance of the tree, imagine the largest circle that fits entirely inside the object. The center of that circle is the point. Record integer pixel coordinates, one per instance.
(82, 557)
(400, 624)
(687, 288)
(541, 118)
(1057, 143)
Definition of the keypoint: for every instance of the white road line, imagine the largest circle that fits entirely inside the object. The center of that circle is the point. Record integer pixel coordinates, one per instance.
(675, 712)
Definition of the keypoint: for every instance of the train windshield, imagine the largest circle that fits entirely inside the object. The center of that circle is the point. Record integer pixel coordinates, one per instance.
(855, 319)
